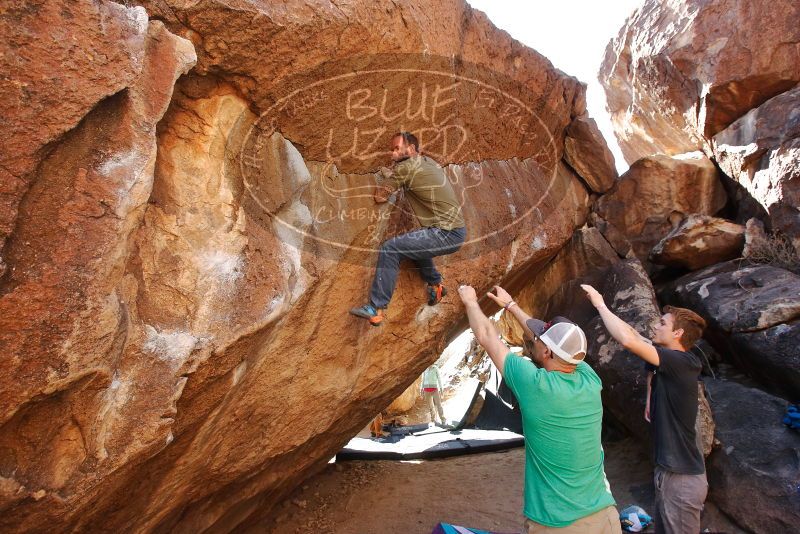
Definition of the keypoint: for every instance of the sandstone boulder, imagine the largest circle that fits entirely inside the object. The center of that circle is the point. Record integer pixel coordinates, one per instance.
(175, 303)
(350, 48)
(72, 384)
(406, 400)
(753, 474)
(680, 72)
(52, 79)
(586, 151)
(699, 241)
(752, 312)
(656, 193)
(761, 151)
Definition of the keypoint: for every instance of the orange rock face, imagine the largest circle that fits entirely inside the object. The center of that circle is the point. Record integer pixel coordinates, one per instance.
(183, 253)
(719, 77)
(587, 152)
(700, 241)
(679, 72)
(58, 62)
(656, 194)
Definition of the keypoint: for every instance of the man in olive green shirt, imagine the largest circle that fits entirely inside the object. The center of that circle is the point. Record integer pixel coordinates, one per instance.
(438, 210)
(559, 396)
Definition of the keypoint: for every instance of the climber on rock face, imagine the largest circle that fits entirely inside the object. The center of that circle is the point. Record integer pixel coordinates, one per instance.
(438, 210)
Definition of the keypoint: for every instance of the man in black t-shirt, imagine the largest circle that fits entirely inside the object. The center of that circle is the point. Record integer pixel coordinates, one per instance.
(680, 475)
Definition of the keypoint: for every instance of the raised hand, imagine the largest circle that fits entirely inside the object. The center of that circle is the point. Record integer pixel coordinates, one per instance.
(467, 294)
(595, 297)
(500, 296)
(385, 173)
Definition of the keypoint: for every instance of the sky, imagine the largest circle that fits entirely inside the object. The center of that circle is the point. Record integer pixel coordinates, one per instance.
(573, 35)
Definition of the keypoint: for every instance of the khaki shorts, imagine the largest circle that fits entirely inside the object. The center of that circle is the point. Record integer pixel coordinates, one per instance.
(606, 521)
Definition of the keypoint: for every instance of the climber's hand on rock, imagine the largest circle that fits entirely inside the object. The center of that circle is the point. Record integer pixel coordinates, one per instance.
(385, 173)
(594, 297)
(467, 294)
(500, 296)
(382, 193)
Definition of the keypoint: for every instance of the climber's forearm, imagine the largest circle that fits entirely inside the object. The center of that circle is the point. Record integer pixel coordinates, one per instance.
(486, 334)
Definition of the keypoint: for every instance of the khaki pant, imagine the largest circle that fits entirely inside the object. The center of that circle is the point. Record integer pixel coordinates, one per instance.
(606, 521)
(679, 501)
(434, 401)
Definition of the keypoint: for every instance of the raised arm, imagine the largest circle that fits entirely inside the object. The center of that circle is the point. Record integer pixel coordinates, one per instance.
(484, 330)
(504, 300)
(622, 331)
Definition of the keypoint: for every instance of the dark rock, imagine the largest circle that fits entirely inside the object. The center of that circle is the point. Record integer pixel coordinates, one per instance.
(737, 296)
(753, 313)
(612, 234)
(754, 474)
(772, 356)
(629, 294)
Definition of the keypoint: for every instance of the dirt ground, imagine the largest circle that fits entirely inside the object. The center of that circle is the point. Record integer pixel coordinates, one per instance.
(481, 491)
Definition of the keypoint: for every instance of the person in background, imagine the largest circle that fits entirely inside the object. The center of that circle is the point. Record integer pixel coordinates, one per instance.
(432, 393)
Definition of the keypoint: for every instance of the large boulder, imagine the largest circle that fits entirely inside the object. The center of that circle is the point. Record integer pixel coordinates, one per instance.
(656, 193)
(753, 314)
(739, 296)
(761, 151)
(753, 474)
(681, 71)
(699, 241)
(175, 305)
(613, 235)
(81, 383)
(720, 77)
(586, 151)
(51, 80)
(772, 355)
(347, 55)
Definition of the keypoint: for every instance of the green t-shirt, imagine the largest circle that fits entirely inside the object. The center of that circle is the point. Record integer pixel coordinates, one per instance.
(430, 193)
(561, 418)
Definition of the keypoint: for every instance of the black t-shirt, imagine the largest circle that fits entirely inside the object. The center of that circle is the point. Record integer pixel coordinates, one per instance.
(673, 411)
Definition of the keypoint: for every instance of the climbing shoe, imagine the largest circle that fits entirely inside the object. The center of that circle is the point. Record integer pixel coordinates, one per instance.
(369, 312)
(435, 294)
